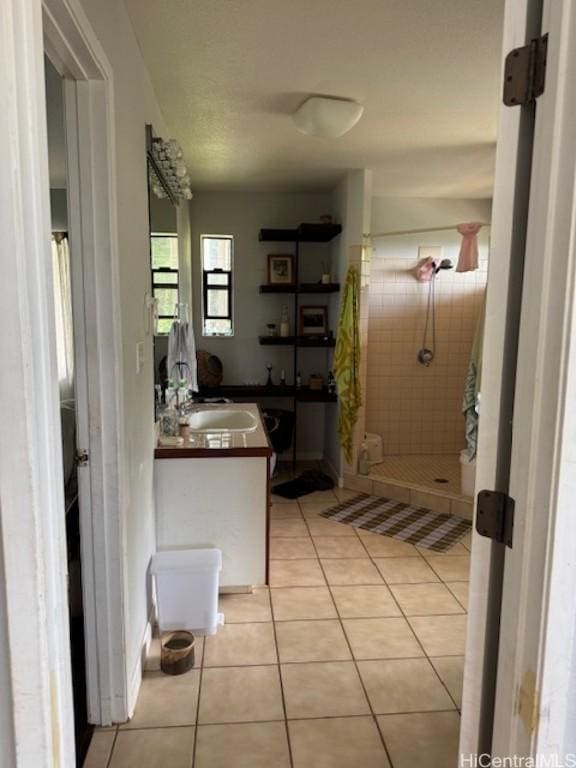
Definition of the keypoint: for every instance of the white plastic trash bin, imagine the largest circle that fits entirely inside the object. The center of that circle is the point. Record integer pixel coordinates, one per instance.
(467, 474)
(187, 583)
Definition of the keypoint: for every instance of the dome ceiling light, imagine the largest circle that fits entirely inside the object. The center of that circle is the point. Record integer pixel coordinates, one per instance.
(327, 117)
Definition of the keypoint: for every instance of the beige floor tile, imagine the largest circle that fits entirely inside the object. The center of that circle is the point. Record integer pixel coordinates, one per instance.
(166, 700)
(451, 671)
(288, 527)
(320, 526)
(460, 591)
(100, 749)
(425, 599)
(341, 742)
(451, 568)
(405, 570)
(427, 740)
(441, 635)
(244, 745)
(292, 548)
(289, 511)
(348, 572)
(319, 640)
(296, 573)
(382, 639)
(313, 509)
(240, 694)
(365, 602)
(291, 603)
(247, 607)
(324, 689)
(385, 546)
(403, 685)
(280, 499)
(154, 748)
(467, 541)
(326, 497)
(339, 546)
(235, 645)
(345, 494)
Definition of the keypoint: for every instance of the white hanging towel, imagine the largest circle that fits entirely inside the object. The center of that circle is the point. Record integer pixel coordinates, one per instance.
(182, 362)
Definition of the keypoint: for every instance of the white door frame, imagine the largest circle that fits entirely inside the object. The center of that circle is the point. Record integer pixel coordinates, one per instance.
(536, 679)
(38, 729)
(88, 98)
(38, 698)
(507, 230)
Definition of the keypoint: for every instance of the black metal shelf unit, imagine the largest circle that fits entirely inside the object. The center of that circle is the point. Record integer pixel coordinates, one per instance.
(304, 233)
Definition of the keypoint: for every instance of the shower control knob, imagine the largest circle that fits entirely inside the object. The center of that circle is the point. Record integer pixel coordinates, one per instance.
(425, 356)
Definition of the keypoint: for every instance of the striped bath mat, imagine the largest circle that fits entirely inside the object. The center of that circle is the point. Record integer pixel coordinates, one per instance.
(414, 525)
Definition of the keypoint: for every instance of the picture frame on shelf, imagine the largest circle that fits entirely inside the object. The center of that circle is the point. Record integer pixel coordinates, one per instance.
(280, 269)
(313, 321)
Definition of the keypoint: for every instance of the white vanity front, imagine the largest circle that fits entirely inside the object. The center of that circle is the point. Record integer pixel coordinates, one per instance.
(213, 492)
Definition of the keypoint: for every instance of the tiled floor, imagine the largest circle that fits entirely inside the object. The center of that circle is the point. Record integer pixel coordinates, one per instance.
(353, 657)
(421, 471)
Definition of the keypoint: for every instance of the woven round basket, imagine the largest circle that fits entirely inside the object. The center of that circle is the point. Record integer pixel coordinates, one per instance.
(210, 370)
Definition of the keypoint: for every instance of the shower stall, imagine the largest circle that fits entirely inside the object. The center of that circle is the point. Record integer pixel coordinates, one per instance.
(420, 336)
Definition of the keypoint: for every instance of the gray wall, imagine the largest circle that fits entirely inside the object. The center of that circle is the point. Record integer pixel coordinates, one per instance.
(242, 214)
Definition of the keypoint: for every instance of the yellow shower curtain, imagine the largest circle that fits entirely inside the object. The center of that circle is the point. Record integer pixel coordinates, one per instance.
(347, 361)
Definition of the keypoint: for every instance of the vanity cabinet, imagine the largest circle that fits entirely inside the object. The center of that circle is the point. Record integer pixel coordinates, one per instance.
(214, 493)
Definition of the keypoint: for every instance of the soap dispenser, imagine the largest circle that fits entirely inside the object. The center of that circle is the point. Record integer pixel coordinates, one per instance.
(284, 322)
(364, 460)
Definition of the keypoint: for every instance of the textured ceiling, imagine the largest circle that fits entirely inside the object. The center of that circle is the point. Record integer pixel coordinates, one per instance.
(228, 74)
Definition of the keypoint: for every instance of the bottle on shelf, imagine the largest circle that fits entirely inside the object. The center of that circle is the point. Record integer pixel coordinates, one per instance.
(331, 383)
(284, 322)
(364, 460)
(298, 380)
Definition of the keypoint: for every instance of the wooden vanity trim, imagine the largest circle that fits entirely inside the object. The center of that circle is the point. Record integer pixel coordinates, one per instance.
(211, 453)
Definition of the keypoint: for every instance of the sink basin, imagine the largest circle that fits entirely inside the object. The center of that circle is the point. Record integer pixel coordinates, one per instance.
(222, 420)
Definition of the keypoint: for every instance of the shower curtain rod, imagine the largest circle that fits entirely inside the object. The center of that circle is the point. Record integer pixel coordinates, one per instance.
(391, 233)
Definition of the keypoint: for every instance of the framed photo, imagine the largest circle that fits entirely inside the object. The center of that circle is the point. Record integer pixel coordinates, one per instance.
(313, 321)
(280, 269)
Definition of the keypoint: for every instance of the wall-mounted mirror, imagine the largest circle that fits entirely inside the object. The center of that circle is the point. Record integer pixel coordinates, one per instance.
(168, 190)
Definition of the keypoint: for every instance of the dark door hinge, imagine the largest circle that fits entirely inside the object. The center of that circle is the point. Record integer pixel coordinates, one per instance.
(495, 516)
(525, 73)
(81, 458)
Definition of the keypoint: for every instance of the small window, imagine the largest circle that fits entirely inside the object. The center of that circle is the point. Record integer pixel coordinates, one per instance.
(164, 250)
(217, 259)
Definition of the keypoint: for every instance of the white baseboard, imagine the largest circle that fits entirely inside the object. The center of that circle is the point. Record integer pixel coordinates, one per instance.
(136, 674)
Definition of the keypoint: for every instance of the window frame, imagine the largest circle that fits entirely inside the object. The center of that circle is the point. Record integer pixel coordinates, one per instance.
(164, 271)
(228, 288)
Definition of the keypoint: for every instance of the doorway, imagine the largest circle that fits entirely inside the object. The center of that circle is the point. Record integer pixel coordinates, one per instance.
(63, 263)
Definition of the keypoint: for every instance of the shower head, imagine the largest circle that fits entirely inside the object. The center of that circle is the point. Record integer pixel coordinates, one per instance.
(444, 264)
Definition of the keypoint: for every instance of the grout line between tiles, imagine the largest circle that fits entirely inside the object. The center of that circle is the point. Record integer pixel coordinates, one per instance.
(111, 755)
(406, 618)
(290, 757)
(354, 661)
(201, 669)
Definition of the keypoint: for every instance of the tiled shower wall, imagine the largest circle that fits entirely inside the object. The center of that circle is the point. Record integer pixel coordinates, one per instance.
(417, 410)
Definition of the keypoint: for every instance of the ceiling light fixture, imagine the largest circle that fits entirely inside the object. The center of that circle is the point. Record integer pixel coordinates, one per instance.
(167, 171)
(327, 116)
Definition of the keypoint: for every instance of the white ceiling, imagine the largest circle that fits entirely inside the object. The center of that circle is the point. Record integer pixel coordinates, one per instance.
(228, 74)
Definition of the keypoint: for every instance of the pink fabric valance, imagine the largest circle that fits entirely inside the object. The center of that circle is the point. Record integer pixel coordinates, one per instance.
(468, 259)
